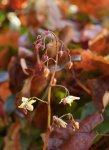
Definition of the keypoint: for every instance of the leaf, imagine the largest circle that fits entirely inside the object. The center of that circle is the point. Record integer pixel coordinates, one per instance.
(92, 7)
(67, 139)
(66, 35)
(91, 62)
(12, 139)
(91, 31)
(25, 141)
(1, 142)
(38, 83)
(14, 4)
(9, 39)
(15, 80)
(9, 104)
(2, 110)
(102, 128)
(100, 44)
(98, 87)
(86, 110)
(4, 76)
(40, 117)
(4, 58)
(106, 99)
(4, 90)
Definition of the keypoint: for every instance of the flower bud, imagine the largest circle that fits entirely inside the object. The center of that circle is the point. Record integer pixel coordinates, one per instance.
(60, 53)
(54, 82)
(69, 65)
(45, 57)
(77, 125)
(39, 37)
(46, 32)
(46, 72)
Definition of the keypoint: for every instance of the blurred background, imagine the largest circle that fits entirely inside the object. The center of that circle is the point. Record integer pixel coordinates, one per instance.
(83, 26)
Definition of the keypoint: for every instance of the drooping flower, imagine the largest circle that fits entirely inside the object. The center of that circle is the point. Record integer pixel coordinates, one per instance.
(58, 122)
(27, 104)
(69, 99)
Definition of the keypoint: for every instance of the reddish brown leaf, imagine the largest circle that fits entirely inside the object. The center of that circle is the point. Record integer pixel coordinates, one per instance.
(40, 117)
(4, 58)
(35, 21)
(91, 61)
(99, 86)
(100, 43)
(2, 110)
(15, 4)
(4, 90)
(67, 139)
(9, 39)
(91, 7)
(14, 69)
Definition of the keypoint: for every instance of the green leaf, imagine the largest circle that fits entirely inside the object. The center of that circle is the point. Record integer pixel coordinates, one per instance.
(88, 109)
(1, 142)
(25, 141)
(2, 16)
(103, 128)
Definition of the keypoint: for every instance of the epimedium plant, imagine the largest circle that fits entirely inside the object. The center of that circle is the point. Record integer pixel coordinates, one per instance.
(44, 66)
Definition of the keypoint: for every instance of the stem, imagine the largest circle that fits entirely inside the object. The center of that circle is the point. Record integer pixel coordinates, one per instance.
(38, 99)
(67, 91)
(68, 115)
(49, 60)
(49, 95)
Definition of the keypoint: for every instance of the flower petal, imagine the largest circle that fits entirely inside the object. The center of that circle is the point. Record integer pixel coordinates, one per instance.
(31, 102)
(30, 107)
(24, 99)
(22, 105)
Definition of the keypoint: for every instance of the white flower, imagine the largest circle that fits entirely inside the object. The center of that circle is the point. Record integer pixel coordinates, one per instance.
(69, 99)
(27, 104)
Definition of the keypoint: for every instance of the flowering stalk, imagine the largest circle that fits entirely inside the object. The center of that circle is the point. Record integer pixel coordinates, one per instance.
(49, 95)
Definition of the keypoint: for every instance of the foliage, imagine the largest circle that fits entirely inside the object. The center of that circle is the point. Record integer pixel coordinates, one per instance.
(54, 74)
